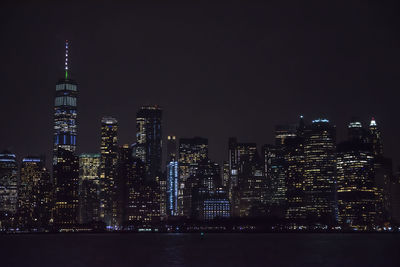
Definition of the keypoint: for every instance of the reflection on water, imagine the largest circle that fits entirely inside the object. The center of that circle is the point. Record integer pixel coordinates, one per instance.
(82, 250)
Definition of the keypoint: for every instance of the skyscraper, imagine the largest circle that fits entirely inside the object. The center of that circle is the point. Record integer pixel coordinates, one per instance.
(149, 139)
(319, 170)
(89, 187)
(275, 173)
(172, 176)
(284, 132)
(35, 194)
(8, 188)
(66, 178)
(191, 152)
(108, 170)
(376, 139)
(242, 165)
(358, 204)
(65, 111)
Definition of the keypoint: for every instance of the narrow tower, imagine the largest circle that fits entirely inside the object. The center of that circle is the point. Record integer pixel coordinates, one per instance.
(65, 111)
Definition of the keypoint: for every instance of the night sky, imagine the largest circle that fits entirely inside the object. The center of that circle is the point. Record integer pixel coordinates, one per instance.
(216, 70)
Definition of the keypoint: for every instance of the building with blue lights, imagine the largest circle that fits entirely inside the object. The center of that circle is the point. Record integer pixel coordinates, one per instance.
(208, 205)
(172, 176)
(149, 139)
(172, 187)
(65, 112)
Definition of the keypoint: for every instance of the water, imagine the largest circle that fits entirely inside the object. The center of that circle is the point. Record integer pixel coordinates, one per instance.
(98, 250)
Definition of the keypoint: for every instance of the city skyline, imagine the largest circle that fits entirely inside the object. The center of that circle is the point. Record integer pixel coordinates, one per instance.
(256, 75)
(245, 133)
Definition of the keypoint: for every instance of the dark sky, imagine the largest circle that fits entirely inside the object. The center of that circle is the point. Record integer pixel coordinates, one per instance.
(217, 70)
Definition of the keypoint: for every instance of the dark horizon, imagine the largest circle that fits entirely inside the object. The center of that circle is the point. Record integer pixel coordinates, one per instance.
(216, 70)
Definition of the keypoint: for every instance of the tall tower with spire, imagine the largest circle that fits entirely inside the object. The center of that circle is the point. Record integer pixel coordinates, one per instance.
(376, 139)
(65, 110)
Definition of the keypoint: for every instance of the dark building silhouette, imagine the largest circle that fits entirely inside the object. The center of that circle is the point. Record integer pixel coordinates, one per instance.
(66, 198)
(376, 139)
(149, 139)
(247, 183)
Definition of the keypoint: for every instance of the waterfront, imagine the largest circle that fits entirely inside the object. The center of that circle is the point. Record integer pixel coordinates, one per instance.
(83, 250)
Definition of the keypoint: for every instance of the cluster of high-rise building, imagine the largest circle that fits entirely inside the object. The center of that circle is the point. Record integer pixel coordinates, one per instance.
(305, 178)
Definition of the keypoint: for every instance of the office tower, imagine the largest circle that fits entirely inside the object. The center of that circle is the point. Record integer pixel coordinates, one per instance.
(395, 197)
(208, 205)
(376, 140)
(34, 194)
(206, 177)
(319, 171)
(89, 187)
(356, 190)
(142, 209)
(65, 111)
(172, 188)
(172, 176)
(191, 152)
(225, 174)
(8, 188)
(125, 176)
(243, 160)
(66, 179)
(275, 173)
(383, 171)
(295, 183)
(149, 139)
(356, 132)
(284, 132)
(108, 170)
(172, 152)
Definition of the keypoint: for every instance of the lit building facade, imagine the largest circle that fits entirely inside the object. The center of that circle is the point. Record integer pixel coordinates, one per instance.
(275, 174)
(319, 170)
(34, 195)
(172, 176)
(284, 132)
(66, 195)
(242, 163)
(358, 201)
(108, 170)
(149, 139)
(295, 183)
(172, 188)
(65, 112)
(376, 139)
(8, 188)
(191, 152)
(143, 209)
(89, 187)
(209, 205)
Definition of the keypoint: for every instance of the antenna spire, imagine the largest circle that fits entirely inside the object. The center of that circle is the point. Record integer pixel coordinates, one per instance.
(66, 59)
